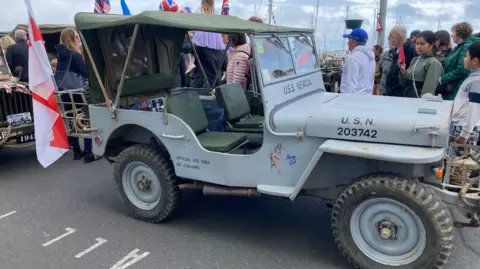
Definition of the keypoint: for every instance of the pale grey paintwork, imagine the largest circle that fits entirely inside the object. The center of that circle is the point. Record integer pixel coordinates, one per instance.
(300, 158)
(301, 122)
(304, 119)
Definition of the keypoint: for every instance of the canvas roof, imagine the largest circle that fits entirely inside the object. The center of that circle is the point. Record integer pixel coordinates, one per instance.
(193, 21)
(44, 28)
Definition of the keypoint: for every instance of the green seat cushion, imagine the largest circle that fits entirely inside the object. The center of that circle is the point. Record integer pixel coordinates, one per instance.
(250, 123)
(187, 106)
(221, 141)
(232, 98)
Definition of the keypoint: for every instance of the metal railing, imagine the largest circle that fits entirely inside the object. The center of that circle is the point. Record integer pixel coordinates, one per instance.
(74, 112)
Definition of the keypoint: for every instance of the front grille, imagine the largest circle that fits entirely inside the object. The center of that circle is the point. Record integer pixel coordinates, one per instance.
(13, 103)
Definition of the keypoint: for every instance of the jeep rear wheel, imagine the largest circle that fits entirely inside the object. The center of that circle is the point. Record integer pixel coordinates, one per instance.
(383, 221)
(146, 180)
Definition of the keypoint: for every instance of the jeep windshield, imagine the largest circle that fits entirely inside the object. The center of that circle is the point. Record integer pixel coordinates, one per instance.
(282, 55)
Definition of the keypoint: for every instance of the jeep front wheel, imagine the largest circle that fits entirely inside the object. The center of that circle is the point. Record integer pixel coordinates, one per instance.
(146, 180)
(383, 221)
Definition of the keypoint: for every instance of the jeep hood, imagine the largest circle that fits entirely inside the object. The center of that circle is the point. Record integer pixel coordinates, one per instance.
(379, 119)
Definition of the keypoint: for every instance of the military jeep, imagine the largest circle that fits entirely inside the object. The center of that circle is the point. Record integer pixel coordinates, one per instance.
(378, 161)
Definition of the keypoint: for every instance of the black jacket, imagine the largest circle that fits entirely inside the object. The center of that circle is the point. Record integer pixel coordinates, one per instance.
(77, 65)
(17, 56)
(63, 56)
(393, 85)
(214, 62)
(410, 52)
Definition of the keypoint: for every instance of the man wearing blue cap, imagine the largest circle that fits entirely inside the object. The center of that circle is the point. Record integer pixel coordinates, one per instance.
(359, 69)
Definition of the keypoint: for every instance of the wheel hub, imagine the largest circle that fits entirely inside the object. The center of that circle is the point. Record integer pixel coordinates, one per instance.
(387, 230)
(144, 184)
(141, 185)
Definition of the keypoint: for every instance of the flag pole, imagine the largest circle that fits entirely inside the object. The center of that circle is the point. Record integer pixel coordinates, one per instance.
(270, 11)
(383, 17)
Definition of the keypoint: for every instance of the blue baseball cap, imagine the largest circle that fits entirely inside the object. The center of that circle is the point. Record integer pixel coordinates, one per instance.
(358, 35)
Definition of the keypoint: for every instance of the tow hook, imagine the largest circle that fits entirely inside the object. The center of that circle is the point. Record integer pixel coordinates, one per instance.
(474, 222)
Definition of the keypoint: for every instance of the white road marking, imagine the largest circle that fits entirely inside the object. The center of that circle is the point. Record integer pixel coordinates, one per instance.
(8, 214)
(100, 241)
(122, 264)
(68, 230)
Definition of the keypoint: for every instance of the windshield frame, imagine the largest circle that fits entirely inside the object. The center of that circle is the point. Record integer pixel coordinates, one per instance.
(255, 37)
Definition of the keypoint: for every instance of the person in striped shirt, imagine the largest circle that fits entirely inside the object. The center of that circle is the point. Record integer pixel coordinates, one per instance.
(466, 106)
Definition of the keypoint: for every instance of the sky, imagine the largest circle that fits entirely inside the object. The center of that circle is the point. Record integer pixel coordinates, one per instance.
(414, 14)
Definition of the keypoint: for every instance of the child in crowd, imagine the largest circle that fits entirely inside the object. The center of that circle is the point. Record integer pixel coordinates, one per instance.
(466, 106)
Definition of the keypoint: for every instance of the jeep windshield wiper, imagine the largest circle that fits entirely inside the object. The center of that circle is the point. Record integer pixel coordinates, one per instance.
(280, 42)
(305, 38)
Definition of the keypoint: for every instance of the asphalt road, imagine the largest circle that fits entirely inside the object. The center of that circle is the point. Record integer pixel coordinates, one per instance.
(68, 217)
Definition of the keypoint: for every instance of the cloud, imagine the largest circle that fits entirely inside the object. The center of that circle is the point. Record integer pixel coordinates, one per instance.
(414, 14)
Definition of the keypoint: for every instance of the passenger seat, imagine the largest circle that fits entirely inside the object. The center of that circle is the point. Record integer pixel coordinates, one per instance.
(188, 106)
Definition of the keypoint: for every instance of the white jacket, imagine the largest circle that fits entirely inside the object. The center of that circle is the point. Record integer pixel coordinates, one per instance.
(466, 106)
(359, 71)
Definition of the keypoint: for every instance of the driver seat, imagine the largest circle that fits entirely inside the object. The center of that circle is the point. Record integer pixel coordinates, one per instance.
(233, 99)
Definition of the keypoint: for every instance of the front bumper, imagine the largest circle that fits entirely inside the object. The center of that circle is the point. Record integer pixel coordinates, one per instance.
(21, 136)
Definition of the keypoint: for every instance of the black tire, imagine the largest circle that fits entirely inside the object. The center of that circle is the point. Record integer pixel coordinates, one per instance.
(431, 211)
(163, 169)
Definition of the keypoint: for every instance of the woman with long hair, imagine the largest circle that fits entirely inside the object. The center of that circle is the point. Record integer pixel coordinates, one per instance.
(425, 70)
(70, 62)
(6, 42)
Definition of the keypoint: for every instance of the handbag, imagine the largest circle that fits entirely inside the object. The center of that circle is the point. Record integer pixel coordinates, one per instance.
(70, 80)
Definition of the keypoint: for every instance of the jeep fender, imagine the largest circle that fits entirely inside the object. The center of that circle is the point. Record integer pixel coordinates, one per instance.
(138, 127)
(374, 151)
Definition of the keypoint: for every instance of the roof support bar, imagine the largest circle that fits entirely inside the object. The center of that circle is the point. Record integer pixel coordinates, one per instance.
(198, 60)
(108, 101)
(127, 62)
(224, 57)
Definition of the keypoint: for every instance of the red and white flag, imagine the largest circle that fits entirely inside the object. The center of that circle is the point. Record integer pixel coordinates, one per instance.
(50, 133)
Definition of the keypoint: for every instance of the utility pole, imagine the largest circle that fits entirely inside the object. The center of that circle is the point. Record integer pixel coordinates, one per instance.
(324, 43)
(439, 15)
(270, 11)
(383, 20)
